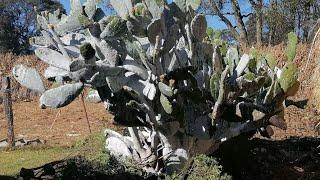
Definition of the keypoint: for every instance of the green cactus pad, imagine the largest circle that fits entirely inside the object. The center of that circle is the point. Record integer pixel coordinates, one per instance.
(84, 21)
(254, 56)
(155, 7)
(139, 10)
(160, 2)
(214, 86)
(232, 58)
(252, 66)
(292, 46)
(272, 63)
(165, 89)
(288, 77)
(121, 7)
(249, 76)
(116, 28)
(184, 4)
(253, 53)
(166, 104)
(87, 51)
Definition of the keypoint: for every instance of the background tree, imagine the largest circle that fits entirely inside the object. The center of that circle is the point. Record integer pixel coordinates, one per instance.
(218, 8)
(267, 21)
(18, 23)
(258, 13)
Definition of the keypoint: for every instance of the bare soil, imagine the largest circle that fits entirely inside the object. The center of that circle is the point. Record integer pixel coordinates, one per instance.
(57, 126)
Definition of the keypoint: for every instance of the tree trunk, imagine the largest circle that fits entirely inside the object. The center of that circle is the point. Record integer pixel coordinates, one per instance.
(232, 29)
(271, 24)
(307, 18)
(240, 24)
(258, 11)
(270, 36)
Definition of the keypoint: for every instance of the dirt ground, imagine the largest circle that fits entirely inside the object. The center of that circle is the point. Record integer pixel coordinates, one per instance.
(57, 126)
(292, 159)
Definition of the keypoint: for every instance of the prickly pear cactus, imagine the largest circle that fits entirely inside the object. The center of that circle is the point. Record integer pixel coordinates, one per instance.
(155, 72)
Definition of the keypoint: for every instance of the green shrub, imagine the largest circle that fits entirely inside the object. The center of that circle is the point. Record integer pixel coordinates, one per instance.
(202, 167)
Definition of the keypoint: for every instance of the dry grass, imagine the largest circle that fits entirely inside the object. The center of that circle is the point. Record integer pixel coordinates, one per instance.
(8, 61)
(58, 127)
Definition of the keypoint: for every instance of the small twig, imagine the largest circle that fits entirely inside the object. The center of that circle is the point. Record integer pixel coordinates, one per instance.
(85, 111)
(58, 114)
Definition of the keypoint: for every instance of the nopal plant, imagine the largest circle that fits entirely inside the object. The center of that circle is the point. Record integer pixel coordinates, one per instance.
(176, 93)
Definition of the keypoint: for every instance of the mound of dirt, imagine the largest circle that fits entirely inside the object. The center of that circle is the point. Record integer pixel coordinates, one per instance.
(294, 158)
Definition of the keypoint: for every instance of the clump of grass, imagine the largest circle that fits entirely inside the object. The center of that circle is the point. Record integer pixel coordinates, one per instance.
(92, 148)
(202, 167)
(12, 160)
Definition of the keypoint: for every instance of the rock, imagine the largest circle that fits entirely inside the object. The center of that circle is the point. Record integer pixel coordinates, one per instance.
(93, 96)
(278, 122)
(118, 149)
(270, 131)
(22, 142)
(3, 143)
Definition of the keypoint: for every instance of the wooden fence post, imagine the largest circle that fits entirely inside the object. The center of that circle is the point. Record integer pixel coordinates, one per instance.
(7, 102)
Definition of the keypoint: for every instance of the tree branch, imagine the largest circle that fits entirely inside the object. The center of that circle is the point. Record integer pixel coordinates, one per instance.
(233, 31)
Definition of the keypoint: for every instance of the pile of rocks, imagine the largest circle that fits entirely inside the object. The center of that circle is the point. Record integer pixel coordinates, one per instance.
(21, 142)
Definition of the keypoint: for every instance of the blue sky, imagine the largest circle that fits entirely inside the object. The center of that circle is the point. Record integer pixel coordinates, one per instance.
(213, 21)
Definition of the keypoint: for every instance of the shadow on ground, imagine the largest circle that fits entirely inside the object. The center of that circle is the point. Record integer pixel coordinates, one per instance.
(294, 158)
(6, 177)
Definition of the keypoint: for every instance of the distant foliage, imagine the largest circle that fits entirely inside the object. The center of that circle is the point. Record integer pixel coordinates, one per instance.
(18, 23)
